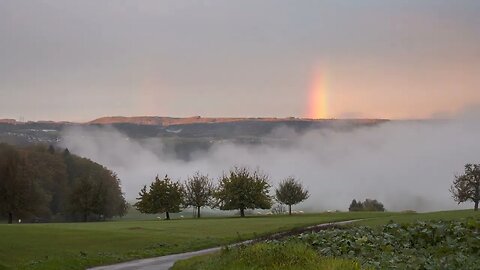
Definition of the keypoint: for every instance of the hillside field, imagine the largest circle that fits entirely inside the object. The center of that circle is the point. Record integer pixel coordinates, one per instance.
(80, 245)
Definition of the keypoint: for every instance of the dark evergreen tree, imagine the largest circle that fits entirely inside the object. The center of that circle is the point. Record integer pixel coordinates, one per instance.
(354, 206)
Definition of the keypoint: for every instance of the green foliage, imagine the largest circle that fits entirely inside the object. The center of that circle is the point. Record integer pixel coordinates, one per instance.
(20, 195)
(38, 184)
(264, 256)
(367, 205)
(198, 192)
(466, 187)
(95, 192)
(420, 245)
(242, 189)
(163, 196)
(291, 192)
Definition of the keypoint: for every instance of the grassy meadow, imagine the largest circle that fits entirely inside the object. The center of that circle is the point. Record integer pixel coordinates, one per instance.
(81, 245)
(412, 217)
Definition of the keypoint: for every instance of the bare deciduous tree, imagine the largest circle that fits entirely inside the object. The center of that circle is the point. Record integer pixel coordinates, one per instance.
(199, 191)
(466, 187)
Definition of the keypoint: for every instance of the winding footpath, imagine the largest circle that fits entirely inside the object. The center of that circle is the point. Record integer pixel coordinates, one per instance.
(166, 262)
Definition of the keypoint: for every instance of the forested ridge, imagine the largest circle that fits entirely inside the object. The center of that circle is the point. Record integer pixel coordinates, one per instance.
(41, 184)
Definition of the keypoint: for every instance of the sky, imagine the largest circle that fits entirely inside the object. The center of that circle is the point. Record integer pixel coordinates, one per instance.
(79, 60)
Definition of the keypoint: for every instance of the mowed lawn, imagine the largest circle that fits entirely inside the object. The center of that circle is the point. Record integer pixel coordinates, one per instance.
(81, 245)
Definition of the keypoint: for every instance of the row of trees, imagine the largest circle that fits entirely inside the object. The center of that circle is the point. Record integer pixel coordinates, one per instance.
(240, 189)
(41, 184)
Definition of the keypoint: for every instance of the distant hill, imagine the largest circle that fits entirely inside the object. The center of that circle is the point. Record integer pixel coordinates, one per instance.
(180, 136)
(169, 121)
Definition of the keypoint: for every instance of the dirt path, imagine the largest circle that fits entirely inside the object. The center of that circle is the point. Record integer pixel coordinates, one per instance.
(165, 262)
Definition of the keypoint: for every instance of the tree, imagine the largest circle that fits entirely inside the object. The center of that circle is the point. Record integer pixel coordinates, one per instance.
(291, 192)
(466, 187)
(241, 189)
(19, 195)
(162, 196)
(198, 192)
(372, 205)
(37, 183)
(354, 206)
(367, 205)
(82, 198)
(95, 191)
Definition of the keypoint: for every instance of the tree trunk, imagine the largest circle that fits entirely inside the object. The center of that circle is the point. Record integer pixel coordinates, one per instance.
(242, 212)
(167, 215)
(10, 218)
(290, 209)
(198, 212)
(476, 206)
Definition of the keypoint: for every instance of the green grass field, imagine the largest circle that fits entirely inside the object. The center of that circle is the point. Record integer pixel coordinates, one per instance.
(80, 245)
(412, 217)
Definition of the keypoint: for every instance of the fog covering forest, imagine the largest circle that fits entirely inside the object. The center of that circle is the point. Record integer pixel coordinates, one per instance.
(404, 164)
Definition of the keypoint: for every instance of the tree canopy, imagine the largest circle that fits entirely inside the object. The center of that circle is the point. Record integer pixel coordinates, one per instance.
(163, 196)
(36, 183)
(242, 189)
(367, 205)
(291, 192)
(466, 187)
(198, 192)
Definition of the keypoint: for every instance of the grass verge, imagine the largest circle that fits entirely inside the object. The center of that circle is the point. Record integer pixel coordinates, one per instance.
(288, 256)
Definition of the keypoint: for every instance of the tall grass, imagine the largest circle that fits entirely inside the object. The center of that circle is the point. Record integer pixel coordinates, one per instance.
(288, 256)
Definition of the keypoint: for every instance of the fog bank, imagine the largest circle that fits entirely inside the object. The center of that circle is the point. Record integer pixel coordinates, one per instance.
(404, 164)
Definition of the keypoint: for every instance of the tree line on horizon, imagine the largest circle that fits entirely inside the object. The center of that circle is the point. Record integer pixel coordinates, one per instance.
(40, 184)
(367, 205)
(239, 189)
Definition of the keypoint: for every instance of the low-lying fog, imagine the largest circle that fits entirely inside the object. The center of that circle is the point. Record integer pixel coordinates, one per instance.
(404, 164)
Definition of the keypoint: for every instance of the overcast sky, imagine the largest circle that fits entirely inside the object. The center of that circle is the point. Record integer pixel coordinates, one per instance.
(78, 60)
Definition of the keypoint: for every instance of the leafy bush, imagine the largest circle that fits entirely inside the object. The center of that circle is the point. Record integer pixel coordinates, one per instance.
(421, 245)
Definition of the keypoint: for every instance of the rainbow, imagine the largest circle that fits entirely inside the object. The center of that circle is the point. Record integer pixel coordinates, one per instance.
(317, 97)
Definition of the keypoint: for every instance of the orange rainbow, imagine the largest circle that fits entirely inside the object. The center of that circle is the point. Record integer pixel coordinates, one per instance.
(317, 98)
